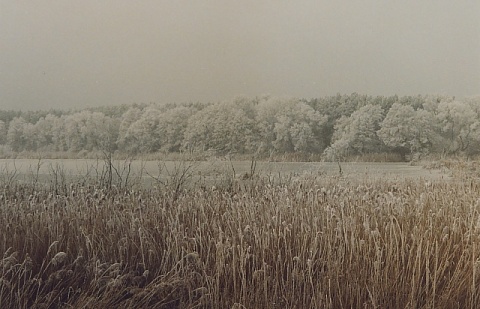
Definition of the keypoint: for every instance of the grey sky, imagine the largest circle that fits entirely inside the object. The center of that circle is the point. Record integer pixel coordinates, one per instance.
(63, 54)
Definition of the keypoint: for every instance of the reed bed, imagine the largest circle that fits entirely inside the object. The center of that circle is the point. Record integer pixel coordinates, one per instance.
(310, 243)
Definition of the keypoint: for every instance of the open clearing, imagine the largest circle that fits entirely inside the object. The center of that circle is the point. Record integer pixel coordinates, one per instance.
(209, 171)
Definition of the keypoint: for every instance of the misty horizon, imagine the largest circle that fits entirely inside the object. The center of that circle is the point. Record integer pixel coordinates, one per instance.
(86, 54)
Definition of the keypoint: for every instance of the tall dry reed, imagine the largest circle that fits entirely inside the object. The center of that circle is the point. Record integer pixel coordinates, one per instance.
(314, 243)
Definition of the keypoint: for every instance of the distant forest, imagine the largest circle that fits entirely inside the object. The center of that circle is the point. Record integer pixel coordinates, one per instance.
(336, 127)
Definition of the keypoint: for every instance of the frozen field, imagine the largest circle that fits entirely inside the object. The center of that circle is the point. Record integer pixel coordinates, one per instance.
(82, 169)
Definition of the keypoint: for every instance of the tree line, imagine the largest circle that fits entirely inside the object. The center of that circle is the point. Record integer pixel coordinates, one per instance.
(337, 127)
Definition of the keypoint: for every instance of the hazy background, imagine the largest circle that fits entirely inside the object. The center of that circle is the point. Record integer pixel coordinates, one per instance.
(64, 54)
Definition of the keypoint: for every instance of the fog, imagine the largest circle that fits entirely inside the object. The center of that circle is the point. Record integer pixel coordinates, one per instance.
(75, 54)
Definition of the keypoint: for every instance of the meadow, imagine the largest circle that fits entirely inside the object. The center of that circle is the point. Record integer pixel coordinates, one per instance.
(364, 237)
(211, 172)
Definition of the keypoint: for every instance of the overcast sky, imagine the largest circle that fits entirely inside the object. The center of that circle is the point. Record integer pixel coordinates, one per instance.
(73, 54)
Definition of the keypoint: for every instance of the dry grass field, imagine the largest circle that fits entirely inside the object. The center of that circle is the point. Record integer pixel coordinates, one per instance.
(310, 242)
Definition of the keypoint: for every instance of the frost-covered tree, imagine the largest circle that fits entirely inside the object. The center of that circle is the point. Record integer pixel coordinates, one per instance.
(3, 132)
(73, 125)
(432, 102)
(43, 133)
(59, 134)
(221, 128)
(457, 122)
(289, 125)
(408, 131)
(357, 134)
(16, 134)
(100, 132)
(89, 131)
(172, 125)
(142, 135)
(30, 137)
(128, 118)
